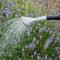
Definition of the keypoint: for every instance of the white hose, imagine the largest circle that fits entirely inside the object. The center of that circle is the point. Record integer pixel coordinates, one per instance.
(28, 20)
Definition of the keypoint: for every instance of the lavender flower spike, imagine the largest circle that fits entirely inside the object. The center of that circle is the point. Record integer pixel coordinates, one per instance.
(58, 25)
(7, 11)
(32, 45)
(48, 42)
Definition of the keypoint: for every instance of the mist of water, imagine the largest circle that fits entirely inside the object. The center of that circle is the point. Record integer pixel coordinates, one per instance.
(12, 34)
(15, 29)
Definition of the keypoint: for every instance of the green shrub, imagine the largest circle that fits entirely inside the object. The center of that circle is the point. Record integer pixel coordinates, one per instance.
(35, 44)
(39, 42)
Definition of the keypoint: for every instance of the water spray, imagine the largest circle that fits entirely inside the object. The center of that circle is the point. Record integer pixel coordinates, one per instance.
(19, 25)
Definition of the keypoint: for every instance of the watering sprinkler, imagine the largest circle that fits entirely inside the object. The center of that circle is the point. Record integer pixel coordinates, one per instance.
(20, 25)
(28, 20)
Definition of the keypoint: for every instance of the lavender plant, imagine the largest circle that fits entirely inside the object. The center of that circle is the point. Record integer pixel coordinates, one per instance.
(40, 42)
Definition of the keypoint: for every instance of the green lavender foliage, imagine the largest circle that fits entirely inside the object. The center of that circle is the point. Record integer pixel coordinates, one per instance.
(36, 37)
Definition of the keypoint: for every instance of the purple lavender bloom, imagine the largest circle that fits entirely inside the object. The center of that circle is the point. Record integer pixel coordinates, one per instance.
(9, 4)
(41, 30)
(58, 26)
(48, 42)
(31, 45)
(5, 4)
(7, 11)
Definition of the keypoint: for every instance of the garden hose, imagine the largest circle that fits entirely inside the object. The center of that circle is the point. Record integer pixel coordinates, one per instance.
(53, 17)
(29, 20)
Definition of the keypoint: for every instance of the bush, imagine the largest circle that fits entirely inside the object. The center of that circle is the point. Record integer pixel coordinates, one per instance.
(40, 42)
